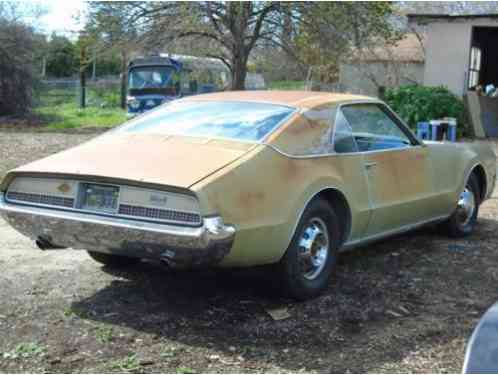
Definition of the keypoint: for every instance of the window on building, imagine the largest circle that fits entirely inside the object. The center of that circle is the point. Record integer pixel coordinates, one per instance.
(475, 66)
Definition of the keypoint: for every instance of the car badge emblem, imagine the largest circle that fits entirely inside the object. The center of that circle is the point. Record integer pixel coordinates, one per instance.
(64, 188)
(158, 199)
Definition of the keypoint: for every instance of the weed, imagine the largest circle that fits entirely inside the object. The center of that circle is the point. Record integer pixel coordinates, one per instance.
(25, 350)
(69, 312)
(104, 334)
(169, 352)
(127, 364)
(185, 370)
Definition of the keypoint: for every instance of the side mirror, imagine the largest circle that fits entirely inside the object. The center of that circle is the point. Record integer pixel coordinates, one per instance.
(480, 356)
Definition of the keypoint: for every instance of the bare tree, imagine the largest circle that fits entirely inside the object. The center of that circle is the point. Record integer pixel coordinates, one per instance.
(232, 30)
(21, 12)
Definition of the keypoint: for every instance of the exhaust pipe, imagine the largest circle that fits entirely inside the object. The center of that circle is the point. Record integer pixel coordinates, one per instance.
(45, 244)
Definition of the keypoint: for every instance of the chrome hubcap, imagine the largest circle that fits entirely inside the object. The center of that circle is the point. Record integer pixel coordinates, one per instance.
(313, 248)
(466, 206)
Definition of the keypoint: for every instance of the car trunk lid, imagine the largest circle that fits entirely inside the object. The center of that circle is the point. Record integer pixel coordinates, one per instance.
(155, 159)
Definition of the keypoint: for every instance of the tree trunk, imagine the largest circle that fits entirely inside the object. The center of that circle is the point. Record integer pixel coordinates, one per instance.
(94, 64)
(124, 78)
(239, 72)
(44, 67)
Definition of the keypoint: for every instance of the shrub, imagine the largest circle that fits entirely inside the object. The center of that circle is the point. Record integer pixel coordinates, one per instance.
(422, 103)
(16, 75)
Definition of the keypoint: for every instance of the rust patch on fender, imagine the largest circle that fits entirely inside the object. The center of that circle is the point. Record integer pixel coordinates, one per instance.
(249, 199)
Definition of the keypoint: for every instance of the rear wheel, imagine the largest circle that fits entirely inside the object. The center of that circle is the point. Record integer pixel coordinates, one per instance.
(463, 221)
(310, 259)
(112, 260)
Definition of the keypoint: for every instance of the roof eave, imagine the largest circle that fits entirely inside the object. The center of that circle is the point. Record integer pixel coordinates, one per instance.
(450, 16)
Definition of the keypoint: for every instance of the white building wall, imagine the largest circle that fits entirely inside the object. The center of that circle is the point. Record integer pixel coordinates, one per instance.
(447, 52)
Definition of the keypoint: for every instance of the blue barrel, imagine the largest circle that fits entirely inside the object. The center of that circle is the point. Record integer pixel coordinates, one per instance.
(423, 130)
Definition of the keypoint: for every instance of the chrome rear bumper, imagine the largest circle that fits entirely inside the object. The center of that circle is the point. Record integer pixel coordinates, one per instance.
(179, 246)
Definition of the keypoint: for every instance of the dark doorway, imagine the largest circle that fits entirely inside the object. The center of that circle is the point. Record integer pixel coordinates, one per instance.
(483, 68)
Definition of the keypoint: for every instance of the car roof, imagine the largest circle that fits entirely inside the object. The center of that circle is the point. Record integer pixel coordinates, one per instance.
(297, 99)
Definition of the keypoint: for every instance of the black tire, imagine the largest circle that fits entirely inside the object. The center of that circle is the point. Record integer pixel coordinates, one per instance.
(292, 268)
(112, 260)
(460, 225)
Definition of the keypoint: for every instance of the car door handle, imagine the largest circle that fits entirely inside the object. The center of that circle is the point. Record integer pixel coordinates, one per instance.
(370, 164)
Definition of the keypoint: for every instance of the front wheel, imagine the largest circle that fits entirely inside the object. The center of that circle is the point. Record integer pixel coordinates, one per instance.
(308, 263)
(463, 221)
(112, 260)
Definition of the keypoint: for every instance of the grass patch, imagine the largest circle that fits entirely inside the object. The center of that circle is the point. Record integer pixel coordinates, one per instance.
(71, 312)
(69, 116)
(127, 364)
(58, 108)
(104, 335)
(185, 370)
(25, 350)
(286, 85)
(168, 352)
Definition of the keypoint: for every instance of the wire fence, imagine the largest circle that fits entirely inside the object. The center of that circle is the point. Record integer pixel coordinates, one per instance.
(103, 92)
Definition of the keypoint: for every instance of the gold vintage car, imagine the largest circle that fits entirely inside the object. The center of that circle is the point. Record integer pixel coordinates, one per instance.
(240, 179)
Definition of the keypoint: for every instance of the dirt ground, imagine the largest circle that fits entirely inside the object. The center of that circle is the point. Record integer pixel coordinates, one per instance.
(408, 304)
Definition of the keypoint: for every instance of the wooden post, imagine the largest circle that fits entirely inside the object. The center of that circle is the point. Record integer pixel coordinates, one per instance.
(124, 77)
(83, 77)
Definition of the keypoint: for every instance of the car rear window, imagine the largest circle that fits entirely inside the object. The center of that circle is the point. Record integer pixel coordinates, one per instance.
(245, 121)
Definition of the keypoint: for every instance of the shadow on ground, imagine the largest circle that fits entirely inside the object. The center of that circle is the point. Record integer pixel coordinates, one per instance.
(354, 326)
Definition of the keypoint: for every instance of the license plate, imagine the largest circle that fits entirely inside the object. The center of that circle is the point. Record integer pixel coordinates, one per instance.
(96, 197)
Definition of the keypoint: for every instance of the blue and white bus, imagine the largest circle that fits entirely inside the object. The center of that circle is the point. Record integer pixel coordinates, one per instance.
(158, 79)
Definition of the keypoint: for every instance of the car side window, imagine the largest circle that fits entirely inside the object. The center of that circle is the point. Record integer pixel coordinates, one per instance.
(343, 135)
(373, 128)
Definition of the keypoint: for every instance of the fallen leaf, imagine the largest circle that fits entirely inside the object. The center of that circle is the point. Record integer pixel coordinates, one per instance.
(404, 310)
(278, 313)
(394, 313)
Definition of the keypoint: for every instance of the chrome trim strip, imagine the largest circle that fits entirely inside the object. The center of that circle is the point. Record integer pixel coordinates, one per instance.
(93, 218)
(339, 106)
(180, 247)
(406, 228)
(213, 229)
(339, 154)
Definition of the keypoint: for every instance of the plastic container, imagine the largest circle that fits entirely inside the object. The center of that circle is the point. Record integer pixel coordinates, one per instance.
(443, 129)
(424, 130)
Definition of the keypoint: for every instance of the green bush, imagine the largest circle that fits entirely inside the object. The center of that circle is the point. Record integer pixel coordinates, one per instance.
(422, 103)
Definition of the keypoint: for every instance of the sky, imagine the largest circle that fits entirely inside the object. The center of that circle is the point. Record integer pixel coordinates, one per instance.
(60, 15)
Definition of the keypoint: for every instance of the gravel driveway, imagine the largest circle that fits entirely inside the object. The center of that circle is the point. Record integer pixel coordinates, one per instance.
(20, 148)
(404, 305)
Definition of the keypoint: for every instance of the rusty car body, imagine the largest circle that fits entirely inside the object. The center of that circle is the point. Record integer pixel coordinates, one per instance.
(239, 179)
